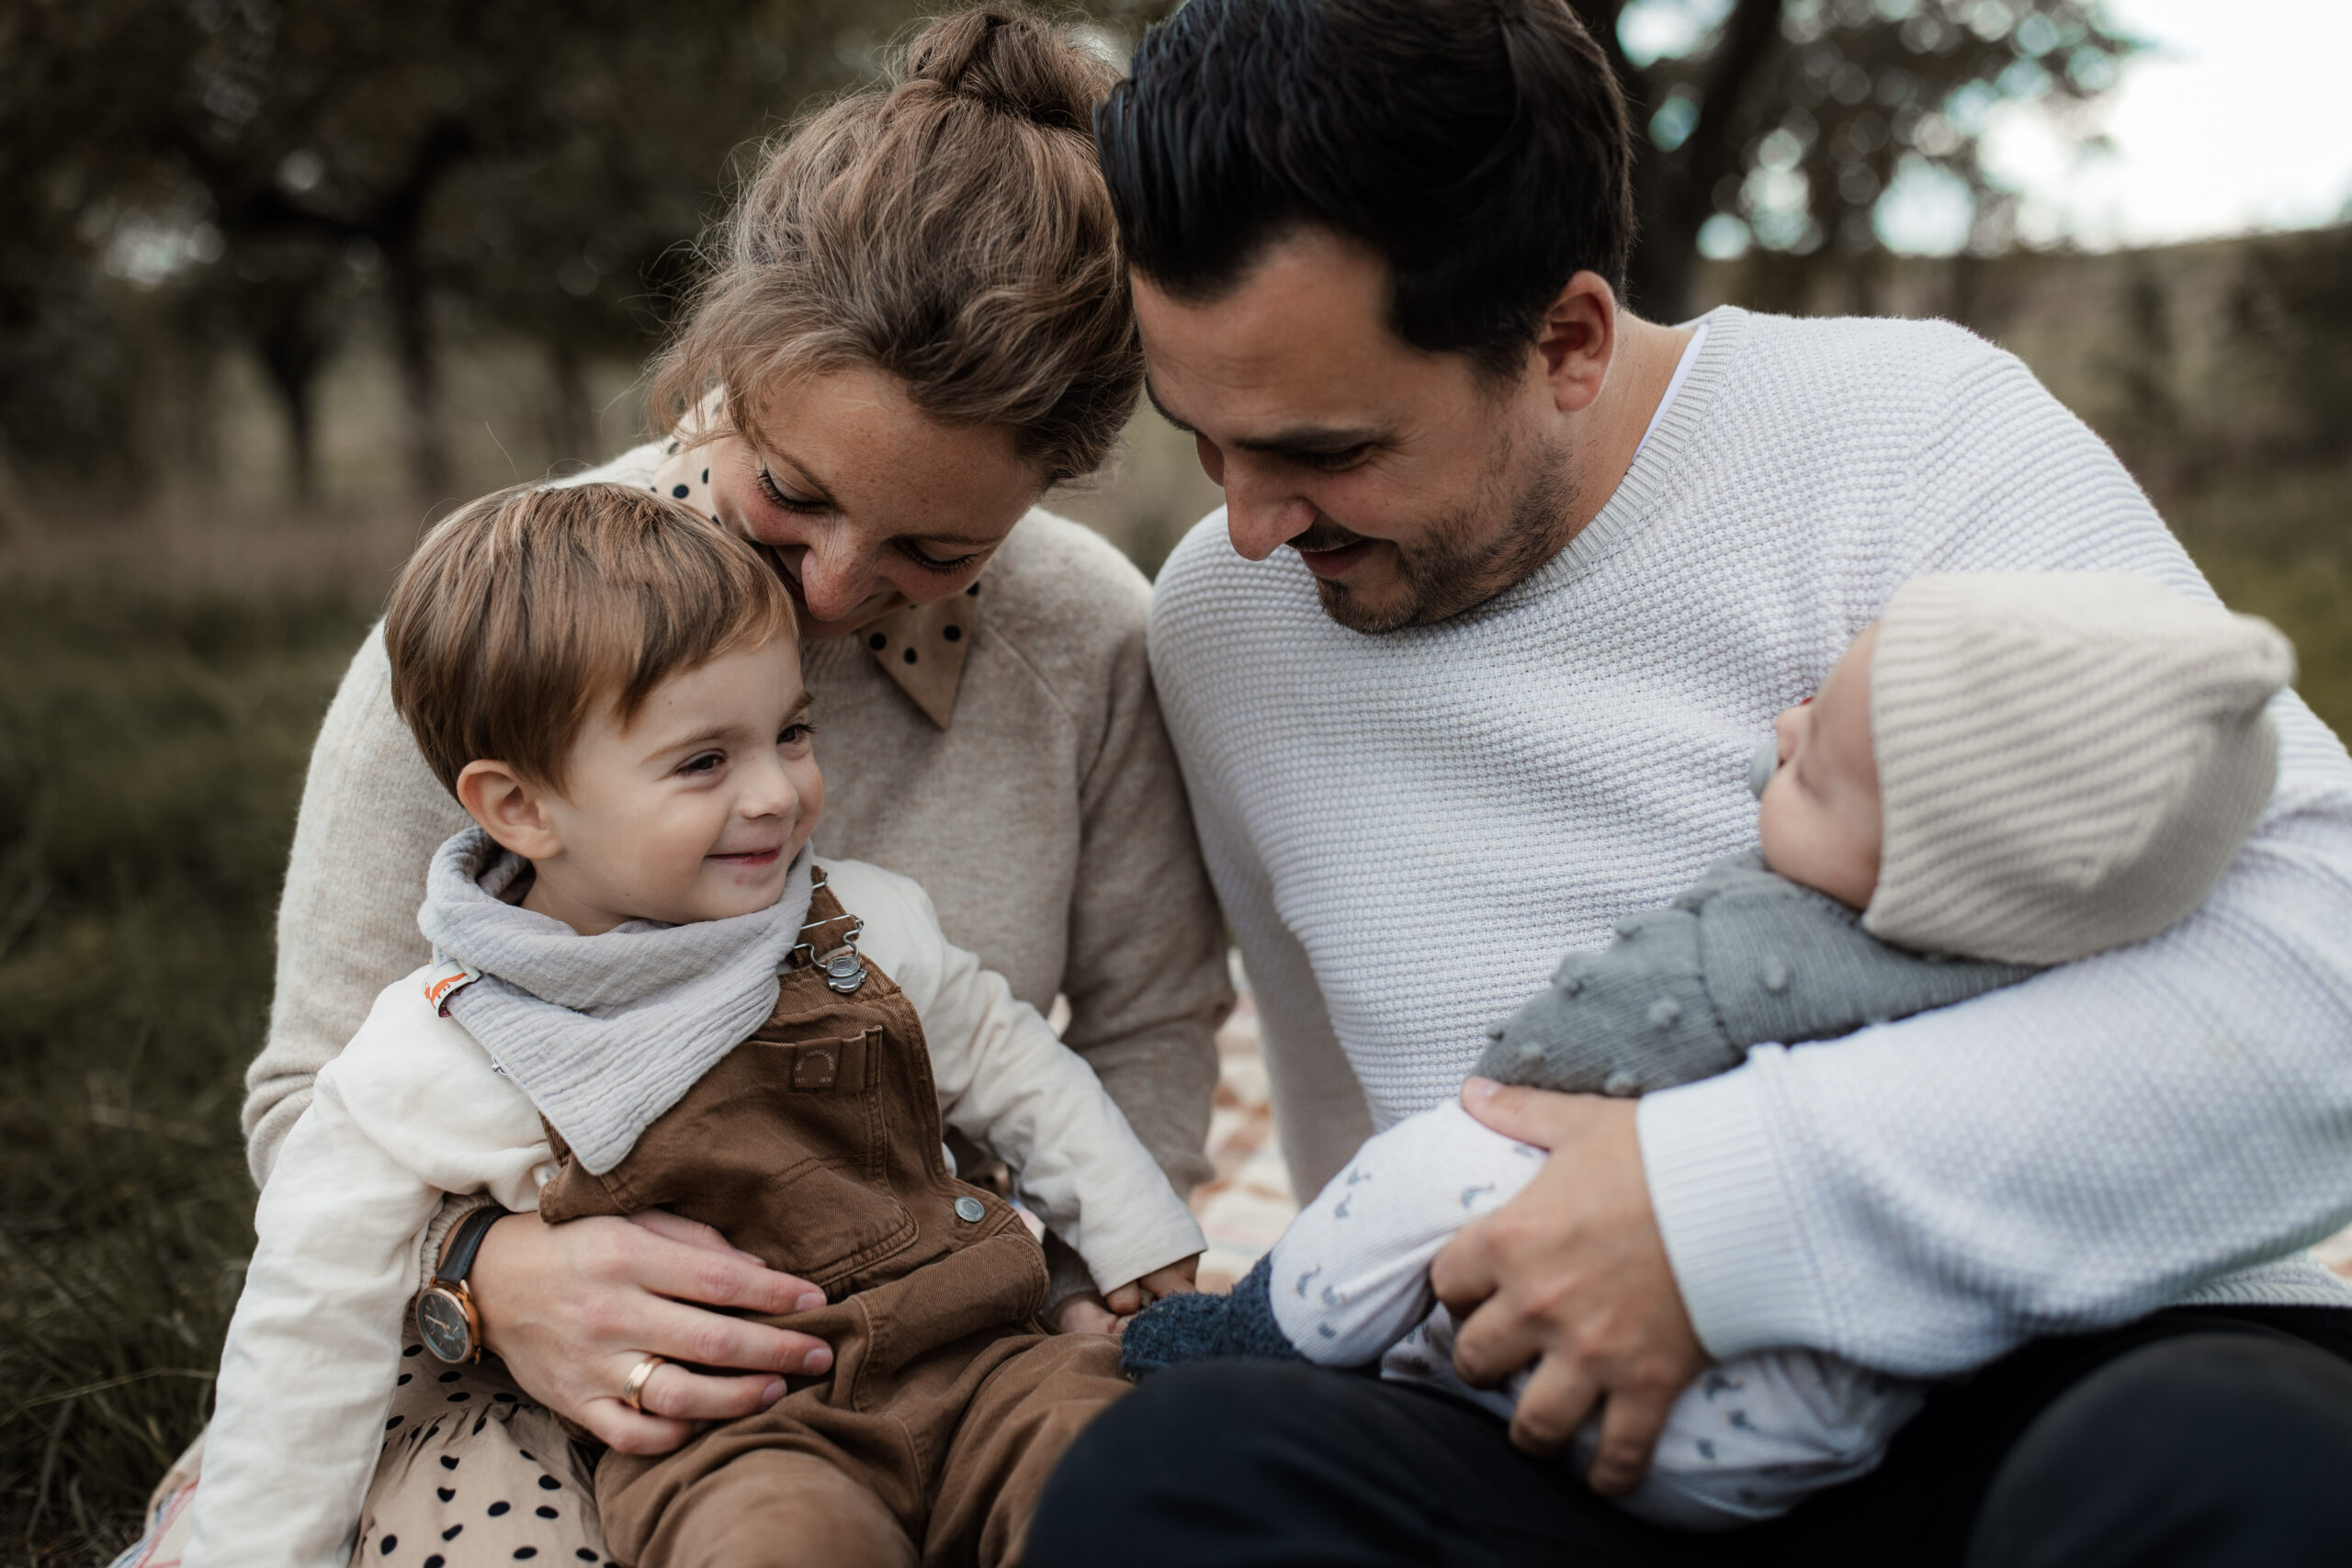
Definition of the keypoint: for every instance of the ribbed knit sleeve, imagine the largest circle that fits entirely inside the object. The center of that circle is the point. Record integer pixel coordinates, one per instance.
(1319, 1108)
(2112, 1136)
(372, 815)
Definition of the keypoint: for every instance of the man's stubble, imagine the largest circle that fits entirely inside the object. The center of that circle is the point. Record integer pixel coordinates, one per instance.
(1457, 564)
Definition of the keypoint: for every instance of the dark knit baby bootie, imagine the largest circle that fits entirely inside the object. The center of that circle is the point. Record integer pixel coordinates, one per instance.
(1202, 1326)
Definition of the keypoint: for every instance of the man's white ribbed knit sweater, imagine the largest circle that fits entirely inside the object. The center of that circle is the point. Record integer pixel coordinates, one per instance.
(1408, 831)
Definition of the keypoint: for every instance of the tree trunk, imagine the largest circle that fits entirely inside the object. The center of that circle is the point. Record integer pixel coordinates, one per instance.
(1676, 191)
(293, 353)
(430, 468)
(1658, 281)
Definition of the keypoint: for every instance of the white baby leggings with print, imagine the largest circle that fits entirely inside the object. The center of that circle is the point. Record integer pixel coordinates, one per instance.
(1753, 1437)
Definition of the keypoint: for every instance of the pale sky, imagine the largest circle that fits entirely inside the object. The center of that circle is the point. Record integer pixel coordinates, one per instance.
(2237, 120)
(2234, 118)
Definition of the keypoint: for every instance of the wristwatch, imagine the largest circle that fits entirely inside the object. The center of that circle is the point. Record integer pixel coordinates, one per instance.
(446, 1319)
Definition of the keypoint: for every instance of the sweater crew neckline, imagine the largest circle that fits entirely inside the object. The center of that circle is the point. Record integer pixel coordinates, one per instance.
(1641, 492)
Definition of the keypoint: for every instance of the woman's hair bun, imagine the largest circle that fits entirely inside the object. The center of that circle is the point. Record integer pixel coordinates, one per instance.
(948, 226)
(1013, 63)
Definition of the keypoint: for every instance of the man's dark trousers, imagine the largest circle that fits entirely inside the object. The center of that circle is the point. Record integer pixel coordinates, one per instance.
(2196, 1436)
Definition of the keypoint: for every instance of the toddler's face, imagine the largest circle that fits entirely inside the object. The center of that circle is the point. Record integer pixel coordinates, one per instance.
(692, 811)
(1819, 818)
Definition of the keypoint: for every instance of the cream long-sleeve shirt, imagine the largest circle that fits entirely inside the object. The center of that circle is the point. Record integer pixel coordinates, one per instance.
(413, 1109)
(1048, 820)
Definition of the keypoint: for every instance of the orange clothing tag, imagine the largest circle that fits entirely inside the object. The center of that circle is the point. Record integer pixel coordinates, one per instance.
(446, 981)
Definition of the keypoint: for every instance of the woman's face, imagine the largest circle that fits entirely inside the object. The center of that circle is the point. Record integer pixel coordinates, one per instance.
(871, 502)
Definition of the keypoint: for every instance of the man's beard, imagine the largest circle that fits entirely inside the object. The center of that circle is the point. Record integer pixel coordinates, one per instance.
(1448, 569)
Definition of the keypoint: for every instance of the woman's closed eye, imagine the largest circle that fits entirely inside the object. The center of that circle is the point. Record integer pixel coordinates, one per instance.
(803, 505)
(929, 562)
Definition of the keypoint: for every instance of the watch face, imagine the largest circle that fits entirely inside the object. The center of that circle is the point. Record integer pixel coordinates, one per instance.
(443, 1324)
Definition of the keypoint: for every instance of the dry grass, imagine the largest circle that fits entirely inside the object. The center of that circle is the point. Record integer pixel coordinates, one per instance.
(151, 741)
(228, 556)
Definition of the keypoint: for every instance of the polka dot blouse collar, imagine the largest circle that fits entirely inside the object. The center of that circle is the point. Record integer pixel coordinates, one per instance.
(919, 647)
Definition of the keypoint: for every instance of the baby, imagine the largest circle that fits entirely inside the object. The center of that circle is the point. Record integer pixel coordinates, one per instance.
(645, 994)
(2003, 773)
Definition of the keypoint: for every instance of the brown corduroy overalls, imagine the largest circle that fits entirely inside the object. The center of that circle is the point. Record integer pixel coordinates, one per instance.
(816, 1146)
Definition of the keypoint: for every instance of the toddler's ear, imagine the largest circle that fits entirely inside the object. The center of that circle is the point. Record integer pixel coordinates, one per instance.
(509, 809)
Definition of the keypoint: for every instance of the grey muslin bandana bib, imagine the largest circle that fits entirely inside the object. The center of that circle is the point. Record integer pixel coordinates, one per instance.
(604, 1033)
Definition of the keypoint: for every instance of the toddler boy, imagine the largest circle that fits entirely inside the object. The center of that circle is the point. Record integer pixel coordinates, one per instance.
(2001, 773)
(645, 994)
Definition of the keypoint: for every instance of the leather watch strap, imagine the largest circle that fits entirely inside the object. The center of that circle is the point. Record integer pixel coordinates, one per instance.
(464, 1243)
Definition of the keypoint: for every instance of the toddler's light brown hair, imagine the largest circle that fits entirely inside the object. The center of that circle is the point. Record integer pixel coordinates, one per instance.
(520, 613)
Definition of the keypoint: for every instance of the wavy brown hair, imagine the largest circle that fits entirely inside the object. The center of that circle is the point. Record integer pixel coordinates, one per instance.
(950, 227)
(520, 614)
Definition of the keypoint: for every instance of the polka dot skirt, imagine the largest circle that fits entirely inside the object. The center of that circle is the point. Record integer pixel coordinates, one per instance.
(475, 1474)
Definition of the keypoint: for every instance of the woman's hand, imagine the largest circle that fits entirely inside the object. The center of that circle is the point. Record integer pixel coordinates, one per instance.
(573, 1309)
(1089, 1313)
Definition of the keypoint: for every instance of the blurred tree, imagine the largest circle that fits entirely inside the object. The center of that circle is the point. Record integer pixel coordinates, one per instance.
(378, 140)
(287, 297)
(68, 367)
(525, 165)
(1795, 124)
(536, 167)
(583, 239)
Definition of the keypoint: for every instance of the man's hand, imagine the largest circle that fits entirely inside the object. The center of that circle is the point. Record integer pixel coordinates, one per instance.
(1573, 1275)
(1091, 1313)
(572, 1310)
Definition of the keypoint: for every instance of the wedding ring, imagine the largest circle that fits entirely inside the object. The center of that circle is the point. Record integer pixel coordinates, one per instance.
(633, 1391)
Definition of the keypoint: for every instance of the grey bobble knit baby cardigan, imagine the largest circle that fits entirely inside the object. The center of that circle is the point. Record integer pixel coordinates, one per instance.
(1740, 957)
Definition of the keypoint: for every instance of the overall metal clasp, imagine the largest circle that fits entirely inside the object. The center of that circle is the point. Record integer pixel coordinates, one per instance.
(844, 968)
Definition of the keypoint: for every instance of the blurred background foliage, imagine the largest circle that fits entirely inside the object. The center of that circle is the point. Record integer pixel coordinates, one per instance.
(281, 279)
(1792, 124)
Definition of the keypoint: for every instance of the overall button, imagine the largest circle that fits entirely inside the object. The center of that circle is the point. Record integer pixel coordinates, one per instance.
(845, 971)
(970, 1210)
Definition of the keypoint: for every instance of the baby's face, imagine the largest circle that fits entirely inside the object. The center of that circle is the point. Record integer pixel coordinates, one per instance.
(693, 811)
(1819, 818)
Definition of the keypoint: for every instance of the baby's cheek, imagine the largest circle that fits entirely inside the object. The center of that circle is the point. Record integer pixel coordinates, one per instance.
(1771, 825)
(1805, 843)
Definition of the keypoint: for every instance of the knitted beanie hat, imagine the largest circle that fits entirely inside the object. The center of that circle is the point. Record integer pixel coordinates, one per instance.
(2066, 761)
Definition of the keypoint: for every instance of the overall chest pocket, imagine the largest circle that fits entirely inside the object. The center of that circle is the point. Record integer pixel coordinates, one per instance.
(788, 1154)
(830, 1201)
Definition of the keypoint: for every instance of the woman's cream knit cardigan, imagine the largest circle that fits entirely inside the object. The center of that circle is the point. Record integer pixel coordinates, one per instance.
(1047, 822)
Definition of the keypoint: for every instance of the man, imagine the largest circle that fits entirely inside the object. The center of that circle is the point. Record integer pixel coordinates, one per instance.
(1509, 585)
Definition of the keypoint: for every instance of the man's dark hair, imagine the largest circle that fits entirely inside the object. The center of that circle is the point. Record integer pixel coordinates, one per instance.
(1481, 146)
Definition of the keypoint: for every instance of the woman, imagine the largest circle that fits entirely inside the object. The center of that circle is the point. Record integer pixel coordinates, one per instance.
(917, 324)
